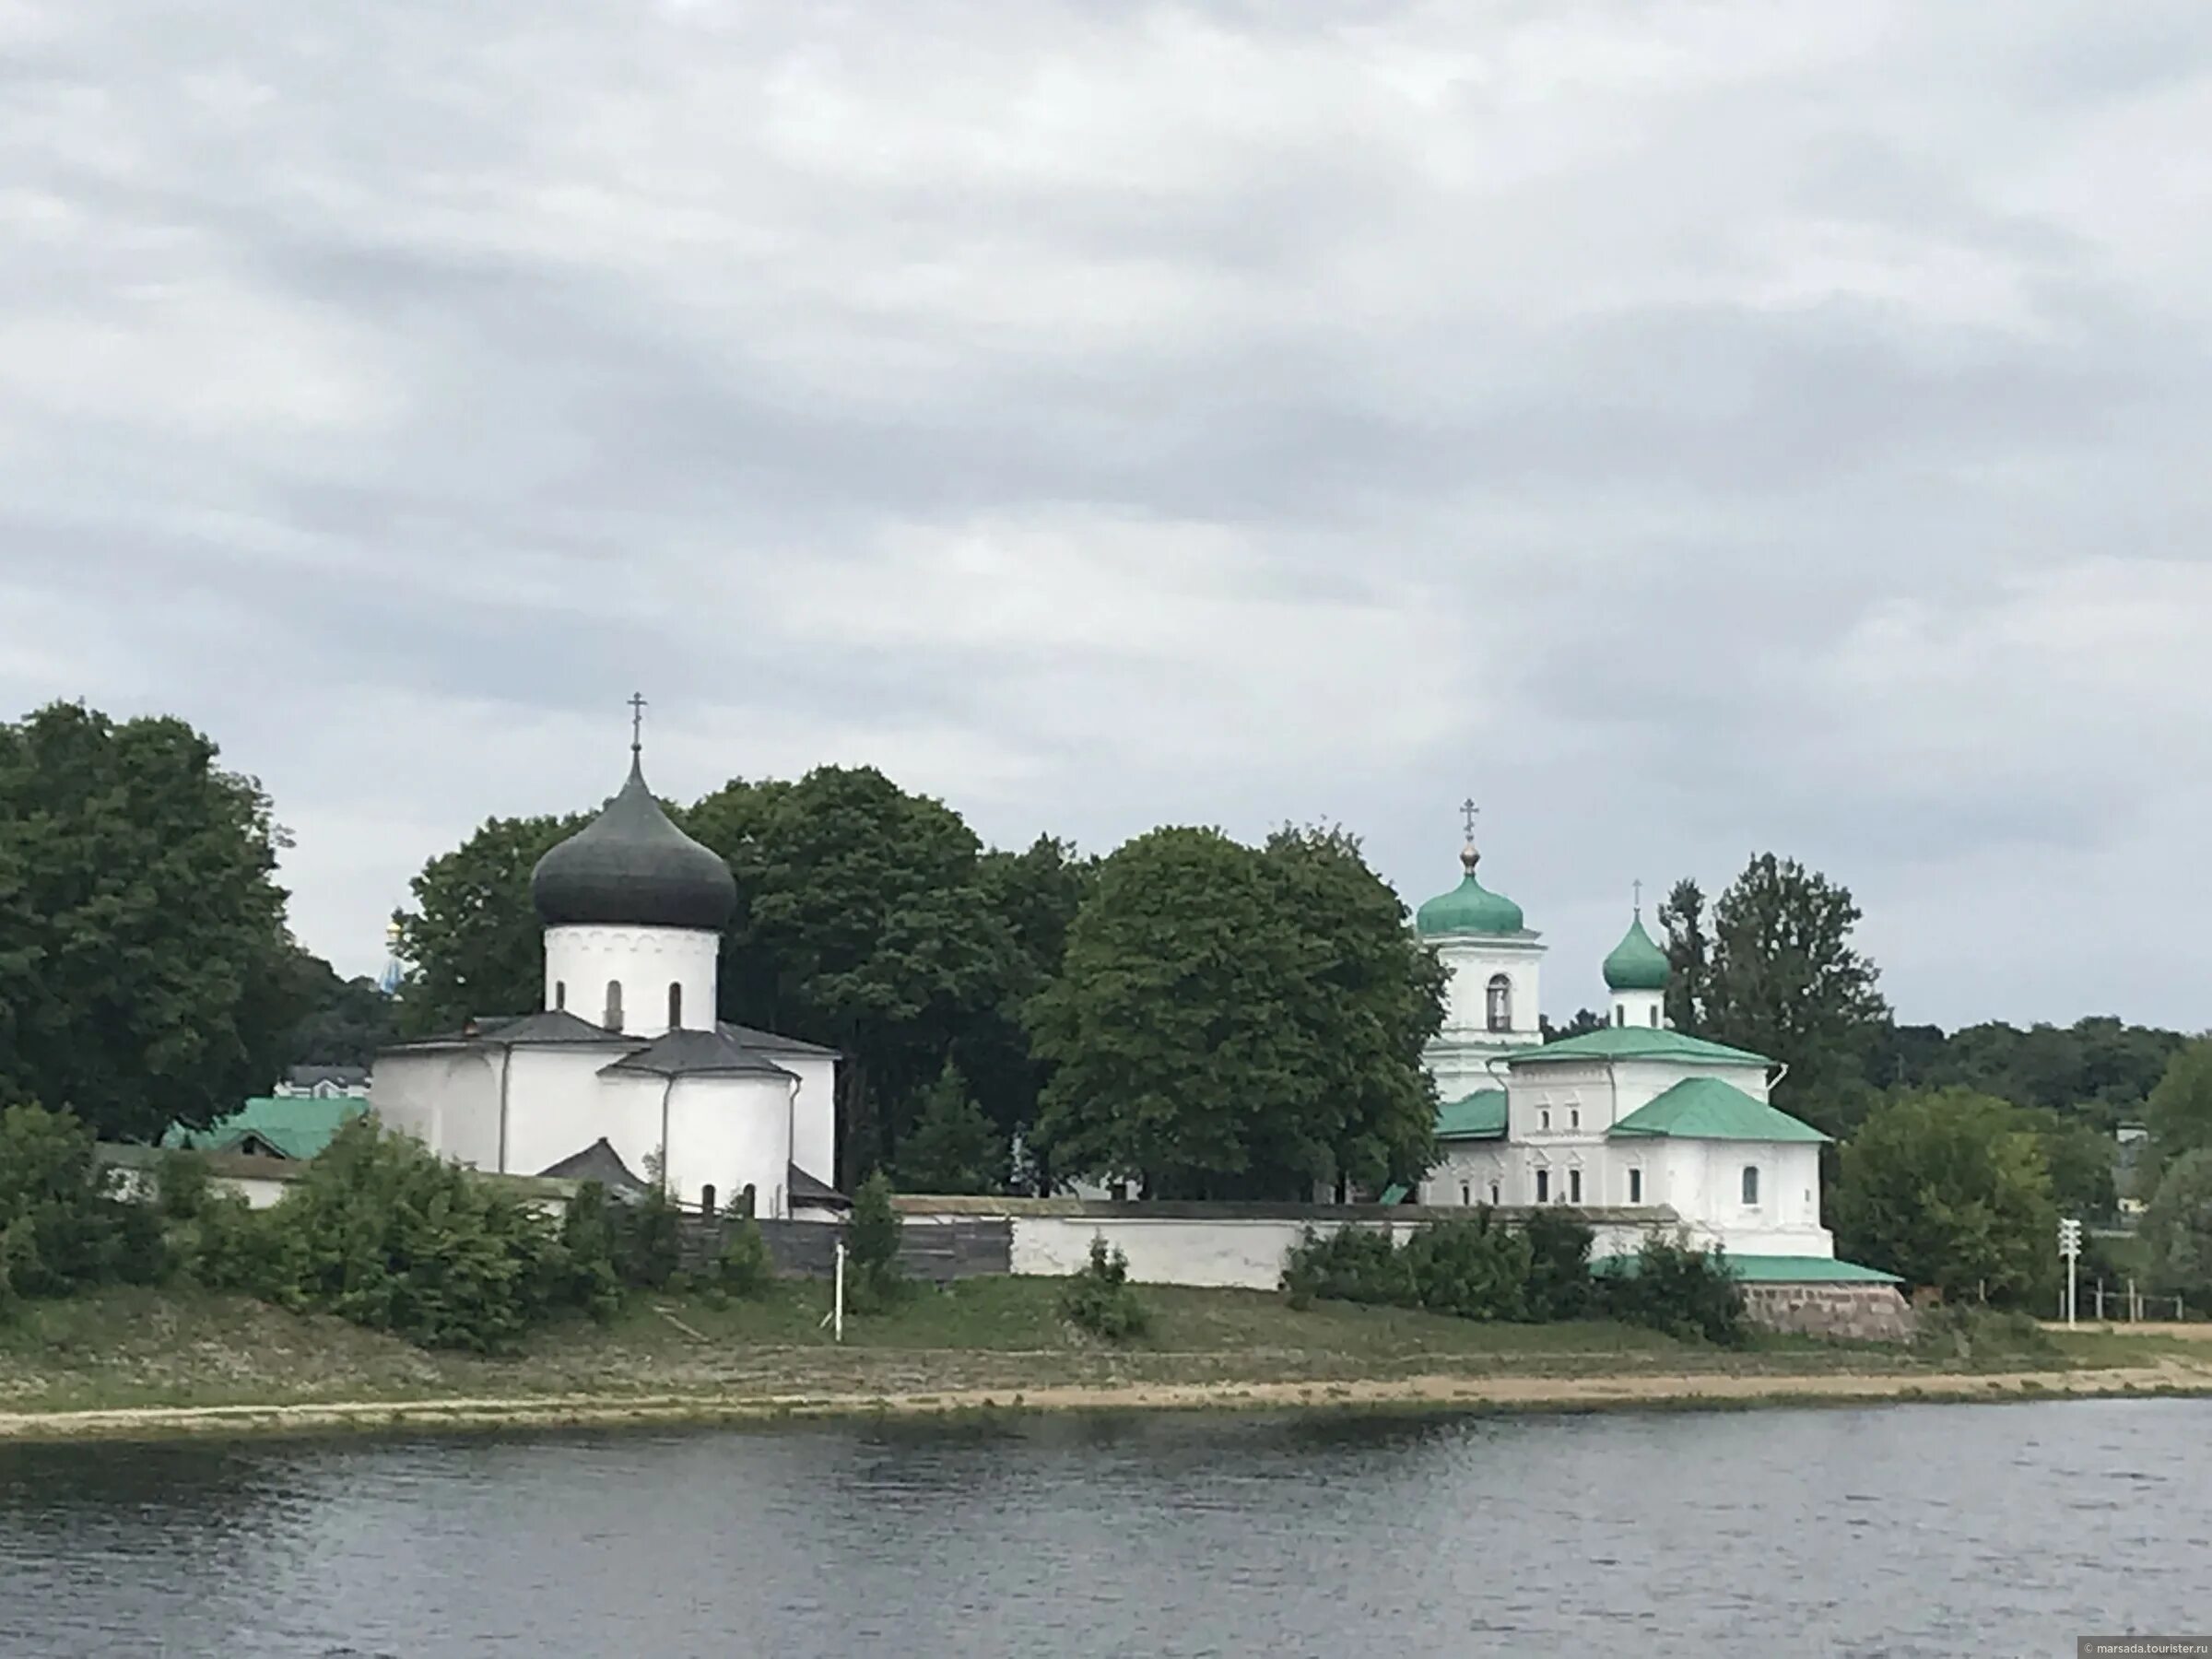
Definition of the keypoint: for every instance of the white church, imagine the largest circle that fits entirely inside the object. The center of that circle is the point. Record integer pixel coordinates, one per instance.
(625, 1071)
(1631, 1116)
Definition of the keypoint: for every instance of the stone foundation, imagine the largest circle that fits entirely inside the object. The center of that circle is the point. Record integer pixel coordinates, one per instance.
(1861, 1312)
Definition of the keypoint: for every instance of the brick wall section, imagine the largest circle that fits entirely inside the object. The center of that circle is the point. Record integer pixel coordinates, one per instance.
(1861, 1313)
(939, 1252)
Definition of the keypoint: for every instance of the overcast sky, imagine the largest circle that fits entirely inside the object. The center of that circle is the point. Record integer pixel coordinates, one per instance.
(1688, 428)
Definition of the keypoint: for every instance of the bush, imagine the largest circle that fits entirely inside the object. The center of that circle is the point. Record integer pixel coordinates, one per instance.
(64, 1227)
(1099, 1298)
(1352, 1264)
(648, 1241)
(1473, 1268)
(1559, 1266)
(874, 1279)
(182, 1186)
(746, 1267)
(586, 1270)
(1675, 1288)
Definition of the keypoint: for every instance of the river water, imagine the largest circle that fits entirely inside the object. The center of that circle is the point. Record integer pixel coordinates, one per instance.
(1946, 1530)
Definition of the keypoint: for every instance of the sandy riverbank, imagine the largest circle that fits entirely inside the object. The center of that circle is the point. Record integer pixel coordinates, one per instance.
(1443, 1393)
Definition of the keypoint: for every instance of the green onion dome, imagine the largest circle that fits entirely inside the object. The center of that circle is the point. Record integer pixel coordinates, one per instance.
(1636, 963)
(1469, 907)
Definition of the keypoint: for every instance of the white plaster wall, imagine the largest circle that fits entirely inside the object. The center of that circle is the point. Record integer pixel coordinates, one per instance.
(728, 1132)
(1464, 1175)
(557, 1105)
(646, 960)
(814, 1147)
(448, 1098)
(1469, 965)
(1643, 1009)
(1232, 1252)
(1640, 1082)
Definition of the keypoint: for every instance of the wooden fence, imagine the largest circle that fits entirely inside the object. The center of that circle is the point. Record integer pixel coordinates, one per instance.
(939, 1252)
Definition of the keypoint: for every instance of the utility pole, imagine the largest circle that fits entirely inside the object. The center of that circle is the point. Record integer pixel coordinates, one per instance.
(2069, 1246)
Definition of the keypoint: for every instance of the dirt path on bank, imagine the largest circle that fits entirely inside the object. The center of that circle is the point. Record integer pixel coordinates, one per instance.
(1471, 1392)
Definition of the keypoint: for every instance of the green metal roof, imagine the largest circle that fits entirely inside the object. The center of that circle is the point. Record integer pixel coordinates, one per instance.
(290, 1125)
(1708, 1109)
(1469, 907)
(1638, 1043)
(1772, 1270)
(1394, 1194)
(1636, 963)
(1479, 1116)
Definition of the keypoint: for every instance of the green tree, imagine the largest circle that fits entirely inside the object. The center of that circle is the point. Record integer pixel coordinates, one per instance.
(2179, 1112)
(2080, 1160)
(863, 923)
(62, 1226)
(1775, 972)
(1586, 1020)
(2177, 1227)
(953, 1147)
(1951, 1189)
(345, 1020)
(873, 1277)
(472, 943)
(145, 968)
(1238, 1023)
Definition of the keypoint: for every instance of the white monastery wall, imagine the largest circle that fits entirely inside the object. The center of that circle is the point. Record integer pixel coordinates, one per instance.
(582, 961)
(1233, 1252)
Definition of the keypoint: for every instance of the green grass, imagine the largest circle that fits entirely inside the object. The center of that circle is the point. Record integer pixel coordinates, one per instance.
(180, 1346)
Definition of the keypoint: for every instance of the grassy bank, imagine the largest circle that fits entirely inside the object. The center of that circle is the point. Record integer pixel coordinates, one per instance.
(124, 1350)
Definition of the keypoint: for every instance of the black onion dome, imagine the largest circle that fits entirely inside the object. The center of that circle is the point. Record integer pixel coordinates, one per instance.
(632, 867)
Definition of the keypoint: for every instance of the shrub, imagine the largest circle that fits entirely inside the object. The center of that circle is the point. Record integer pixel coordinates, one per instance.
(1472, 1269)
(1558, 1266)
(66, 1229)
(1352, 1264)
(1677, 1288)
(586, 1270)
(648, 1239)
(1953, 1333)
(182, 1185)
(874, 1279)
(383, 1233)
(1099, 1298)
(746, 1267)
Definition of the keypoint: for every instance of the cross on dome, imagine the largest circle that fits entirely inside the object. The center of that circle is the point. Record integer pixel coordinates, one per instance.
(637, 723)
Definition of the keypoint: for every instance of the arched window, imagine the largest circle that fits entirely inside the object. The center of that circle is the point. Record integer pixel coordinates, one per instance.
(1750, 1183)
(746, 1199)
(1620, 1014)
(675, 1007)
(706, 1199)
(1654, 1014)
(613, 1021)
(1502, 1002)
(561, 994)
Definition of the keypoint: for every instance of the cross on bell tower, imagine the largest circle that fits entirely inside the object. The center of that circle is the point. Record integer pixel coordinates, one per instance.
(637, 723)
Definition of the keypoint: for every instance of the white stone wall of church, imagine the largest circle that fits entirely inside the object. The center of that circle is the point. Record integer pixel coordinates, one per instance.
(1469, 966)
(1702, 1181)
(449, 1100)
(730, 1133)
(814, 1113)
(582, 961)
(556, 1105)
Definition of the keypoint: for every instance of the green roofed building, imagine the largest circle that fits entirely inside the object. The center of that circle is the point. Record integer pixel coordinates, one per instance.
(1632, 1116)
(295, 1126)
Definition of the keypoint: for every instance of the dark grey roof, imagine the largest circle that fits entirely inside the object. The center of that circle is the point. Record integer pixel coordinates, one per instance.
(552, 1027)
(632, 867)
(804, 1188)
(696, 1054)
(598, 1162)
(768, 1042)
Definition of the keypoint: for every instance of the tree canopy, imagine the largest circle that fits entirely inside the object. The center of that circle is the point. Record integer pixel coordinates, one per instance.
(471, 942)
(1773, 969)
(146, 972)
(2177, 1227)
(1239, 1022)
(1951, 1189)
(2179, 1111)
